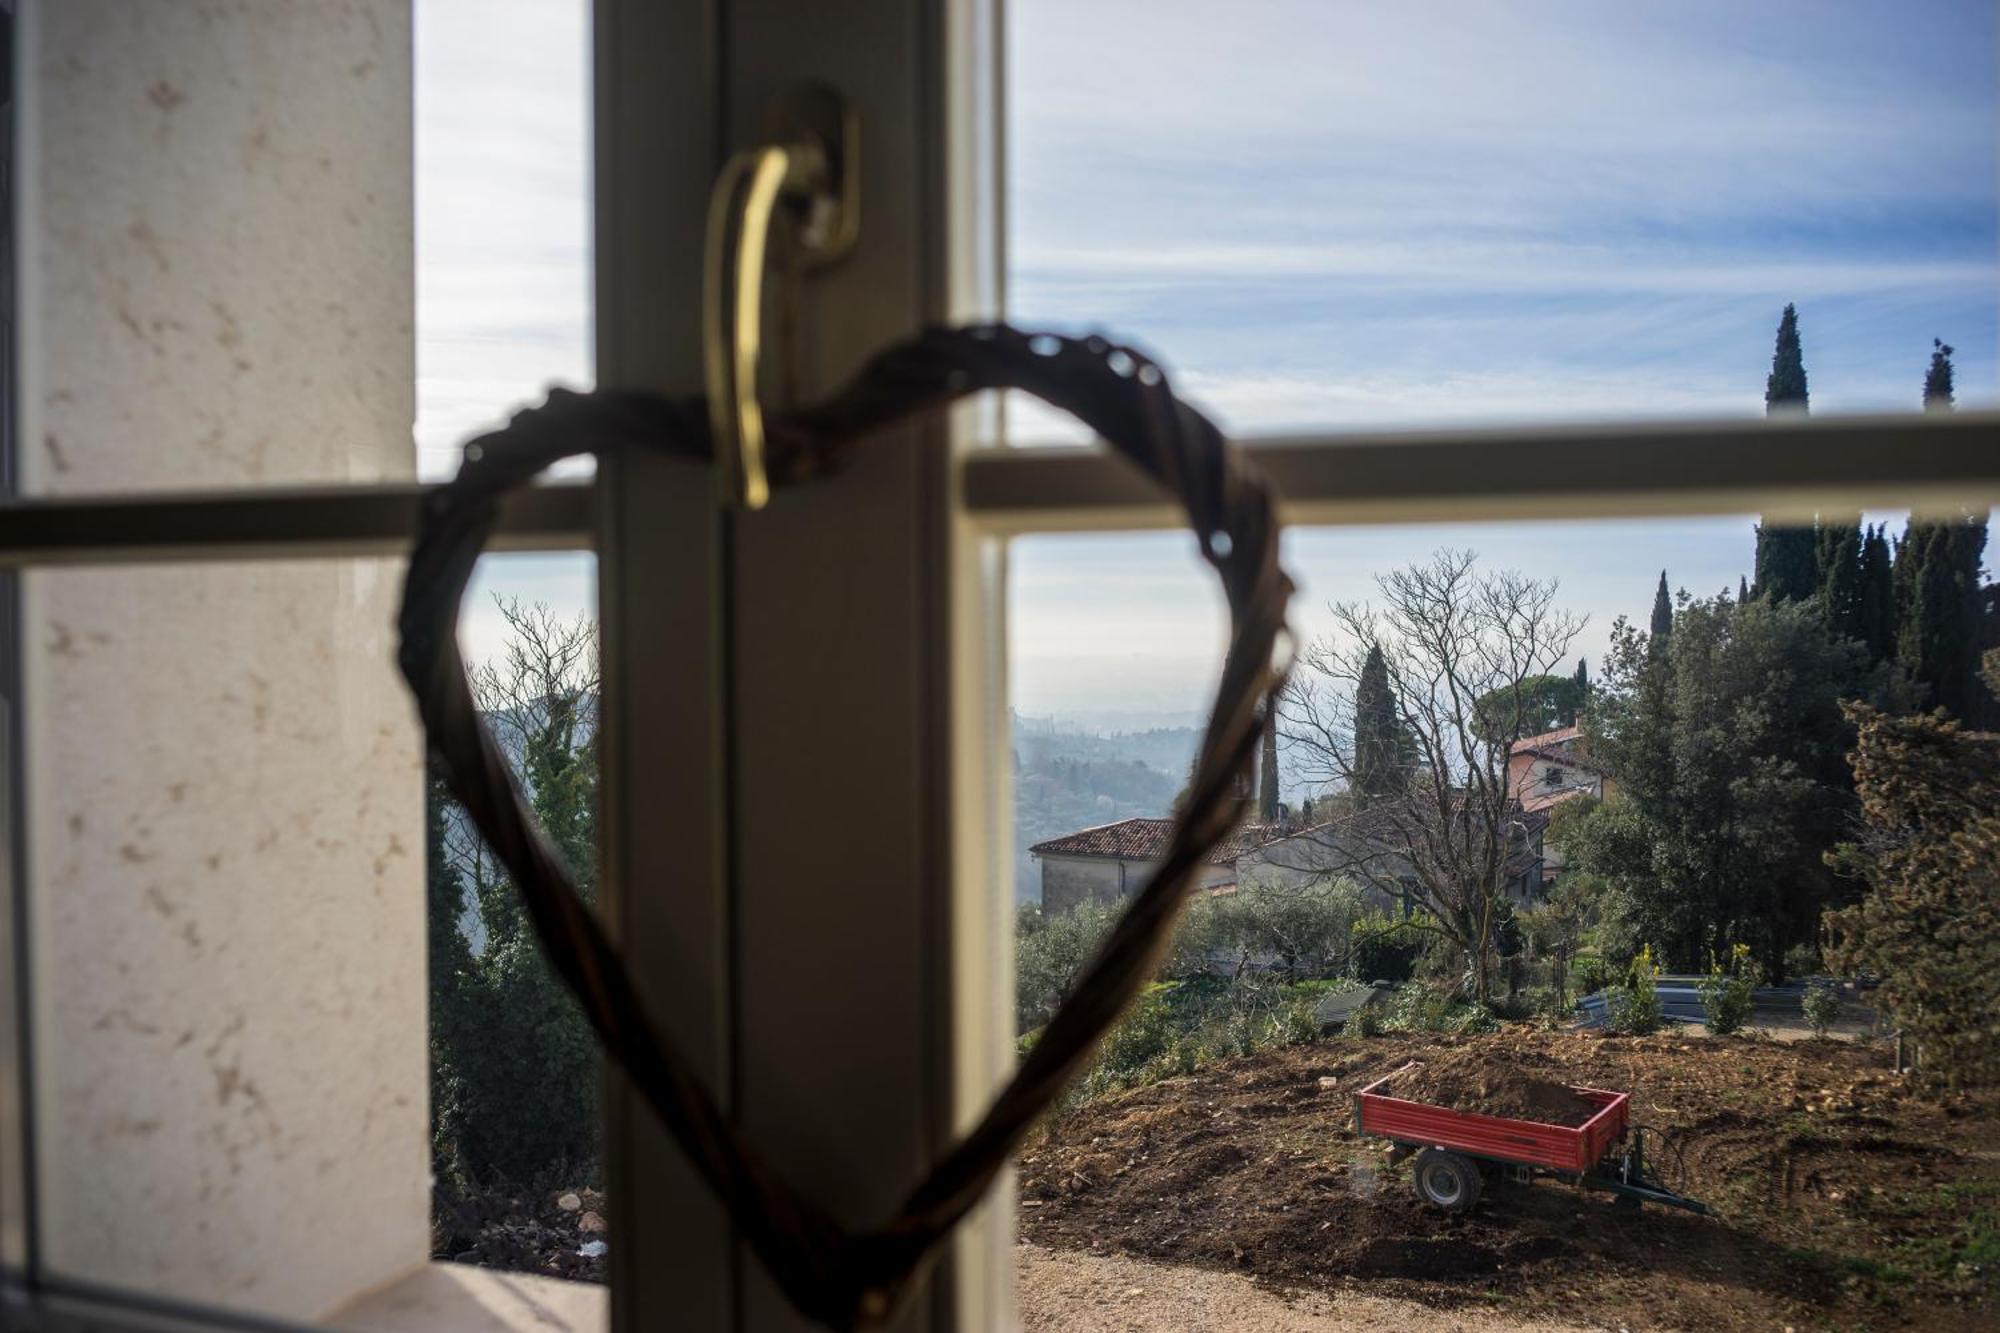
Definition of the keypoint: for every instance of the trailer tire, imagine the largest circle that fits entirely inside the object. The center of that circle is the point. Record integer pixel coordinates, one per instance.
(1447, 1180)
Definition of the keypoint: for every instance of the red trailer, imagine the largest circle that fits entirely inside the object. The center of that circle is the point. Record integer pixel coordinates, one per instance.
(1457, 1151)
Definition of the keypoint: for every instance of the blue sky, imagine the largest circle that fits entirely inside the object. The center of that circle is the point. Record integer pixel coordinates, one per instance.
(1350, 214)
(1353, 215)
(1339, 215)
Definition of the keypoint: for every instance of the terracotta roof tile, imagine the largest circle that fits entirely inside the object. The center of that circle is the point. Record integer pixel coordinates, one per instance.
(1569, 757)
(1146, 840)
(1547, 740)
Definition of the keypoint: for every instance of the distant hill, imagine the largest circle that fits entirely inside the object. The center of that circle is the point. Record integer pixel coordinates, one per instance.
(1067, 778)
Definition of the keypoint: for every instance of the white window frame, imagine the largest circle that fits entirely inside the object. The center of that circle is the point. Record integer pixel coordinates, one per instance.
(841, 979)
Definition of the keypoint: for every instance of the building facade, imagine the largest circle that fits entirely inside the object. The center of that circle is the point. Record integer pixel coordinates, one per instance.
(1112, 862)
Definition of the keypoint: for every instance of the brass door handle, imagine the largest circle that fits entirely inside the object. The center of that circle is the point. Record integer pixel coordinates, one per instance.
(810, 165)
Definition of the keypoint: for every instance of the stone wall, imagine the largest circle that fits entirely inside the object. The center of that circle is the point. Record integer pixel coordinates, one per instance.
(224, 787)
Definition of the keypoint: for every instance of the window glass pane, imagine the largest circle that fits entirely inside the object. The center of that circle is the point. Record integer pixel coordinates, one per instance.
(1333, 216)
(1582, 744)
(516, 1072)
(233, 857)
(503, 214)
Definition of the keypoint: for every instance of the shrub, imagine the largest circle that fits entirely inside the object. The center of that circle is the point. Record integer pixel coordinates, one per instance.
(1548, 1006)
(1592, 975)
(1634, 1006)
(1050, 952)
(1725, 992)
(1242, 1031)
(1386, 948)
(1433, 1008)
(1803, 960)
(1821, 1004)
(1417, 1008)
(1143, 1035)
(524, 1105)
(1929, 923)
(1470, 1018)
(1297, 1022)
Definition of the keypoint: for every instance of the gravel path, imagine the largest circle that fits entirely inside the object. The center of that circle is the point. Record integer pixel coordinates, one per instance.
(1068, 1292)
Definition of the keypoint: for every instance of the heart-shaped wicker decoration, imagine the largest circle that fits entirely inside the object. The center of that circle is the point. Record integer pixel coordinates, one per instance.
(843, 1278)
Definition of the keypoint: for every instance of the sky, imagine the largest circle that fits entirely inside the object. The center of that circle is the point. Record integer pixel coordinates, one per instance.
(1325, 216)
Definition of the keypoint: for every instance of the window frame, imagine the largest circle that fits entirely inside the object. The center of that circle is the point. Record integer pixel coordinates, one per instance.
(700, 741)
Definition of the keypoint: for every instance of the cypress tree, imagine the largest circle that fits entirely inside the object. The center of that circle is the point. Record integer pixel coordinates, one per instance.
(1663, 620)
(1938, 379)
(1903, 577)
(1742, 590)
(1378, 735)
(1785, 565)
(1876, 603)
(1924, 638)
(1937, 637)
(1785, 386)
(1267, 786)
(1938, 600)
(1965, 546)
(1839, 552)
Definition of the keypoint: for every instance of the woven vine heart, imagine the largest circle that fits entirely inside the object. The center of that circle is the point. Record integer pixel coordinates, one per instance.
(843, 1278)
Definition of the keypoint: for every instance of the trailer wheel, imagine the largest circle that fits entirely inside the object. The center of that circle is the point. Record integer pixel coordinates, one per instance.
(1446, 1180)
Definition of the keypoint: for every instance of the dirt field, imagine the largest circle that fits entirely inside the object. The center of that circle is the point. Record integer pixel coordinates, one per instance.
(1064, 1291)
(1845, 1200)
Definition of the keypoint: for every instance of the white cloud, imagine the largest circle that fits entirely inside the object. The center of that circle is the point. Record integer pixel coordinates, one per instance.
(1331, 215)
(1468, 268)
(503, 213)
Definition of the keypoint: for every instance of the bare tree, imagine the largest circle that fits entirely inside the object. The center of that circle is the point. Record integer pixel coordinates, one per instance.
(1453, 836)
(540, 699)
(545, 685)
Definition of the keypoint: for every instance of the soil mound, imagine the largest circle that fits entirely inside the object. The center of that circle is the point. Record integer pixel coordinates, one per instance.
(1846, 1198)
(1489, 1083)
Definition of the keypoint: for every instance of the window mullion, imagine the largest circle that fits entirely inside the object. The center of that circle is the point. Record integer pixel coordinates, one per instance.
(328, 521)
(660, 566)
(855, 730)
(1783, 467)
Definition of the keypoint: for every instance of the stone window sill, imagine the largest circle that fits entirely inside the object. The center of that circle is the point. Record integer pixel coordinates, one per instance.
(458, 1298)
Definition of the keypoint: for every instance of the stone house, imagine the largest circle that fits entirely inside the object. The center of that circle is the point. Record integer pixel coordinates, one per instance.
(1112, 862)
(1546, 770)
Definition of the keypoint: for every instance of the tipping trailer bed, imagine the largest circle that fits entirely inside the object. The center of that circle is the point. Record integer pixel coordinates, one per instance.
(1605, 1152)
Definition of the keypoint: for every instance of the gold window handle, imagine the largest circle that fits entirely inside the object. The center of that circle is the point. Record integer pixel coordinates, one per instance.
(810, 164)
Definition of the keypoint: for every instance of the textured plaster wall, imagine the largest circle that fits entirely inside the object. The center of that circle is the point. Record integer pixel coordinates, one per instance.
(225, 807)
(1070, 880)
(217, 243)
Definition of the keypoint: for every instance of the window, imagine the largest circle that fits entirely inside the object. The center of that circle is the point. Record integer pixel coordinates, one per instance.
(840, 982)
(1334, 222)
